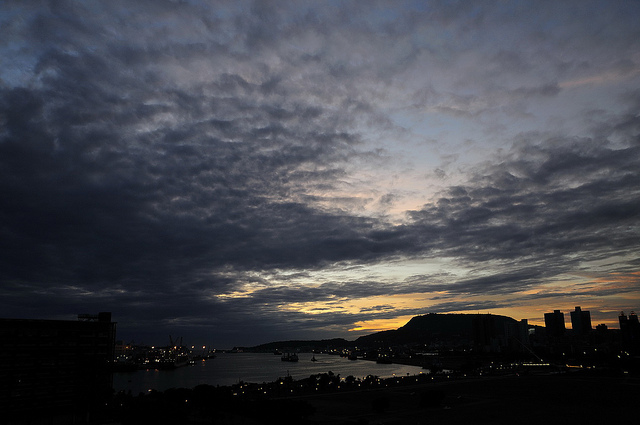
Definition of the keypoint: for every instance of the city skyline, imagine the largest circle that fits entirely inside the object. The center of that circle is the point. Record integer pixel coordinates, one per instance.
(243, 172)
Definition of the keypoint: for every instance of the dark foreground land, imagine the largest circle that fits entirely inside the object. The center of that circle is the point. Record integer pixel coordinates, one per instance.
(513, 399)
(500, 400)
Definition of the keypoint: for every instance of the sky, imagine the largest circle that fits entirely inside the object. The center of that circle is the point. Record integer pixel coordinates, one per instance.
(241, 172)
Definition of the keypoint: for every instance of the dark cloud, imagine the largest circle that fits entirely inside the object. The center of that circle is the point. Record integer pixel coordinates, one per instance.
(557, 198)
(157, 157)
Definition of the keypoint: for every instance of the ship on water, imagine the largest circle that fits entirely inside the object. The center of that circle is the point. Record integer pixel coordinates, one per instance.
(172, 356)
(384, 359)
(289, 357)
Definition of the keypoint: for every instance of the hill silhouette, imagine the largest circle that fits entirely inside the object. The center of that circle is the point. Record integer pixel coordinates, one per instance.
(304, 345)
(434, 327)
(425, 329)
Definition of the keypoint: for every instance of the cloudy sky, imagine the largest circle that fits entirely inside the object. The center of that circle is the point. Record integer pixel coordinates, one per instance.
(242, 172)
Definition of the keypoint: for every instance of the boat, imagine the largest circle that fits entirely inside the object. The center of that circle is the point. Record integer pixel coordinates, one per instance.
(172, 362)
(313, 358)
(286, 357)
(383, 359)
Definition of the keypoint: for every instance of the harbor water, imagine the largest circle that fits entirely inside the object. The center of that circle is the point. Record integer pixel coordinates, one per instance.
(231, 368)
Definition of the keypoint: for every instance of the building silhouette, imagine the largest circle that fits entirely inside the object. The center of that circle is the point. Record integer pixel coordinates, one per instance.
(55, 370)
(495, 334)
(580, 321)
(554, 324)
(630, 331)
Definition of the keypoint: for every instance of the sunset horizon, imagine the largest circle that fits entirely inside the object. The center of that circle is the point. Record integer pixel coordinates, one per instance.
(240, 172)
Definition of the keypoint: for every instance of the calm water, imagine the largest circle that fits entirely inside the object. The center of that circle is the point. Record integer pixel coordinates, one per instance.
(228, 368)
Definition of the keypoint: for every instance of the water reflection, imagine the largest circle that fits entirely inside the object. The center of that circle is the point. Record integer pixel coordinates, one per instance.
(228, 369)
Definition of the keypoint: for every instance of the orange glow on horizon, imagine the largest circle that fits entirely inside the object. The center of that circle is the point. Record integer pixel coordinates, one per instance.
(377, 325)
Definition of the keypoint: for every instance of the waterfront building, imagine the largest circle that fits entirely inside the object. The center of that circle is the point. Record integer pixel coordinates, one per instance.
(55, 370)
(554, 324)
(580, 321)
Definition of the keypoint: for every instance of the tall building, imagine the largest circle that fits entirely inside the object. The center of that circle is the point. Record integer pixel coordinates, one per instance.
(580, 321)
(630, 331)
(52, 369)
(554, 323)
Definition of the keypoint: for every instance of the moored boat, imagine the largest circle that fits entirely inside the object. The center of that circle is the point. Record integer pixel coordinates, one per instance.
(289, 357)
(383, 359)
